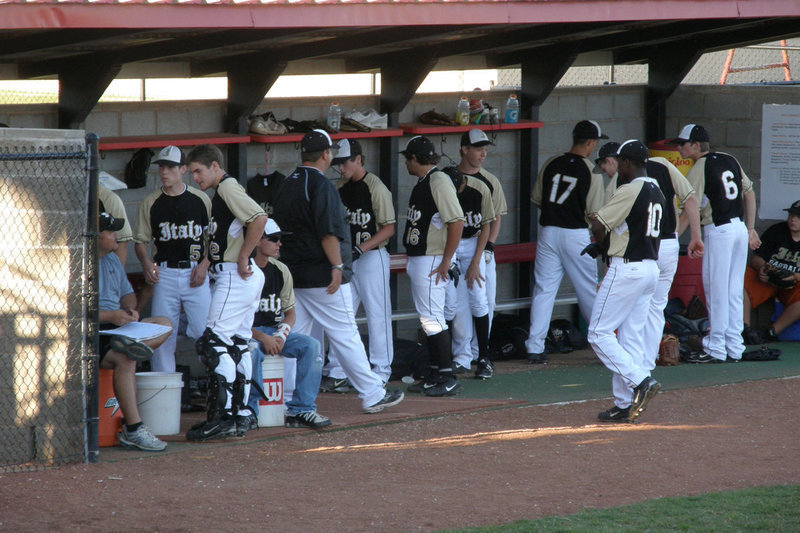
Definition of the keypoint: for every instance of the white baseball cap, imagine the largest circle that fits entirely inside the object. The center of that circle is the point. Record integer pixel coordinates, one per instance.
(170, 155)
(271, 228)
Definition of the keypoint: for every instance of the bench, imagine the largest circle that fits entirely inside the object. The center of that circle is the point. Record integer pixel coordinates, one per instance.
(503, 253)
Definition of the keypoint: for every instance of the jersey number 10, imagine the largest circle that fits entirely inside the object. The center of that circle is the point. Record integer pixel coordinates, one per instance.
(654, 212)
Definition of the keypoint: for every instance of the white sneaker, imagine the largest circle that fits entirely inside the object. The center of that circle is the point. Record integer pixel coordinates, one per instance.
(142, 438)
(376, 120)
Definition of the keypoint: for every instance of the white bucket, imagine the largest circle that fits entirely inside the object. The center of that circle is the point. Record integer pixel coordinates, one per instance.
(158, 395)
(270, 411)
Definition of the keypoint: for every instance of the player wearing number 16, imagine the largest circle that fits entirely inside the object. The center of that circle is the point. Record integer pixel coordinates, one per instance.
(566, 192)
(727, 214)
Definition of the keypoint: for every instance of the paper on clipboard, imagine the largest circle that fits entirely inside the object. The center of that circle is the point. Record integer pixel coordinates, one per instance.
(140, 331)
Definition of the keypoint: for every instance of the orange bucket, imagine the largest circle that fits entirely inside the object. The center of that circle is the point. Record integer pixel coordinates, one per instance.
(108, 412)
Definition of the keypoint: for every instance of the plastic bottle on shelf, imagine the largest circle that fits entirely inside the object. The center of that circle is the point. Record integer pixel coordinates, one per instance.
(462, 112)
(335, 117)
(512, 110)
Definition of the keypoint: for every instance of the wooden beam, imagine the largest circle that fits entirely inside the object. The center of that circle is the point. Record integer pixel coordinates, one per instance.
(80, 86)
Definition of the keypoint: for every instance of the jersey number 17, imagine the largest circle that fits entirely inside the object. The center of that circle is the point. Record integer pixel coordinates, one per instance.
(557, 179)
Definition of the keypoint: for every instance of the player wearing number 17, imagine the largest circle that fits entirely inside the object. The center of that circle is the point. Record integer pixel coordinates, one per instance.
(727, 214)
(566, 192)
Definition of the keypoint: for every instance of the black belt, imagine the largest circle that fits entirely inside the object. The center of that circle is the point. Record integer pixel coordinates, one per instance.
(177, 264)
(669, 236)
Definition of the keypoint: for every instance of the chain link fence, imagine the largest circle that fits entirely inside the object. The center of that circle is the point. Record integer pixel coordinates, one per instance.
(47, 291)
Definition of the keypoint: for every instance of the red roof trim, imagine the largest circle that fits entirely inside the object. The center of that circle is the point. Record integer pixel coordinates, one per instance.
(19, 14)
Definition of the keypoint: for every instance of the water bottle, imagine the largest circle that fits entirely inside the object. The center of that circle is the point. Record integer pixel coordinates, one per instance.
(334, 117)
(462, 112)
(512, 110)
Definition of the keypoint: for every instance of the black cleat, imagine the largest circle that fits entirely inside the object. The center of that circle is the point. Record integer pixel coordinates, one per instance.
(329, 384)
(700, 358)
(538, 358)
(446, 385)
(309, 419)
(389, 399)
(485, 369)
(458, 368)
(615, 414)
(218, 428)
(641, 395)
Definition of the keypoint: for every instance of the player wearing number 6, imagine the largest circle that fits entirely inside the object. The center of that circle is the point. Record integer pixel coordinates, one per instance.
(566, 192)
(629, 226)
(727, 214)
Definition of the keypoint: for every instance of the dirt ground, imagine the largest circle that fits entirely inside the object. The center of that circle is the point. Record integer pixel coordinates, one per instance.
(486, 466)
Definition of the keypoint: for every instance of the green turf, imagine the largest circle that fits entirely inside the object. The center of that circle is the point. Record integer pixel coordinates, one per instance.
(570, 383)
(759, 509)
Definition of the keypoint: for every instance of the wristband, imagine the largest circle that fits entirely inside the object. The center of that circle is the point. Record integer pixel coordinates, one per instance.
(340, 266)
(489, 246)
(283, 331)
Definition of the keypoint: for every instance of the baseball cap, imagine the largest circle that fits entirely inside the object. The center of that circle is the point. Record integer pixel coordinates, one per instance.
(794, 208)
(588, 129)
(108, 223)
(419, 146)
(609, 149)
(170, 155)
(455, 176)
(271, 228)
(347, 148)
(690, 133)
(633, 150)
(475, 137)
(316, 141)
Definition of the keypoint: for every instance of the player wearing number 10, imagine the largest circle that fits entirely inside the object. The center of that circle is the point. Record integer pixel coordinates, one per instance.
(727, 214)
(566, 192)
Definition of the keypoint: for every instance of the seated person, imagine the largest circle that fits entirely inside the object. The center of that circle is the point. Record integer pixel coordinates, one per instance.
(117, 307)
(779, 251)
(274, 337)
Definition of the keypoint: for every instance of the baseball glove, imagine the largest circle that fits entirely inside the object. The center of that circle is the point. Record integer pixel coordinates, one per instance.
(669, 351)
(777, 277)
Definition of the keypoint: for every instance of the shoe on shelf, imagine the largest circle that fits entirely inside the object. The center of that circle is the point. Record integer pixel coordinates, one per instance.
(641, 395)
(751, 337)
(538, 358)
(389, 399)
(769, 335)
(142, 439)
(484, 369)
(308, 419)
(700, 358)
(217, 428)
(446, 385)
(135, 350)
(615, 414)
(329, 384)
(458, 368)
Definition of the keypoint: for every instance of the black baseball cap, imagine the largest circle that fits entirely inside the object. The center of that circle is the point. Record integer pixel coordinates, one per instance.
(633, 150)
(475, 137)
(108, 223)
(419, 146)
(347, 148)
(588, 129)
(456, 176)
(316, 141)
(794, 209)
(609, 149)
(691, 133)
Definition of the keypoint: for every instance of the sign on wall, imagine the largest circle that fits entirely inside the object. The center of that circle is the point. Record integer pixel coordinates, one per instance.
(780, 160)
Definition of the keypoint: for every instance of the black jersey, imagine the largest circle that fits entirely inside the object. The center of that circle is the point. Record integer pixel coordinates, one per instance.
(369, 207)
(722, 183)
(263, 189)
(778, 248)
(476, 202)
(277, 295)
(633, 218)
(566, 191)
(231, 211)
(308, 208)
(432, 205)
(660, 173)
(177, 225)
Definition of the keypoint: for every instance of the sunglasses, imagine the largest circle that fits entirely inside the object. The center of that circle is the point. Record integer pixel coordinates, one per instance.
(273, 238)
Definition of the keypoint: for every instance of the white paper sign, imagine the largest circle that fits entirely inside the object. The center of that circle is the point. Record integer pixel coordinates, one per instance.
(780, 160)
(140, 331)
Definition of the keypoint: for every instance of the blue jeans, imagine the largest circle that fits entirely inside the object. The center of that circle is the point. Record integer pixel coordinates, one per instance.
(308, 354)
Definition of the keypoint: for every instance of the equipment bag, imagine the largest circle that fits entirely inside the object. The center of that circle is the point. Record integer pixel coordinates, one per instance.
(136, 169)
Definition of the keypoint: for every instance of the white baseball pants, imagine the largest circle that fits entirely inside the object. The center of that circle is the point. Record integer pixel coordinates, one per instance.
(559, 250)
(724, 264)
(623, 298)
(334, 313)
(169, 293)
(463, 303)
(428, 296)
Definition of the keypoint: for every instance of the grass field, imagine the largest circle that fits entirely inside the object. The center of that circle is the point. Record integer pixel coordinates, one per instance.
(774, 509)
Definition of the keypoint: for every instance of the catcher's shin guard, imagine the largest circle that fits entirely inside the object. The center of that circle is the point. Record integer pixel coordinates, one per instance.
(219, 423)
(209, 347)
(238, 393)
